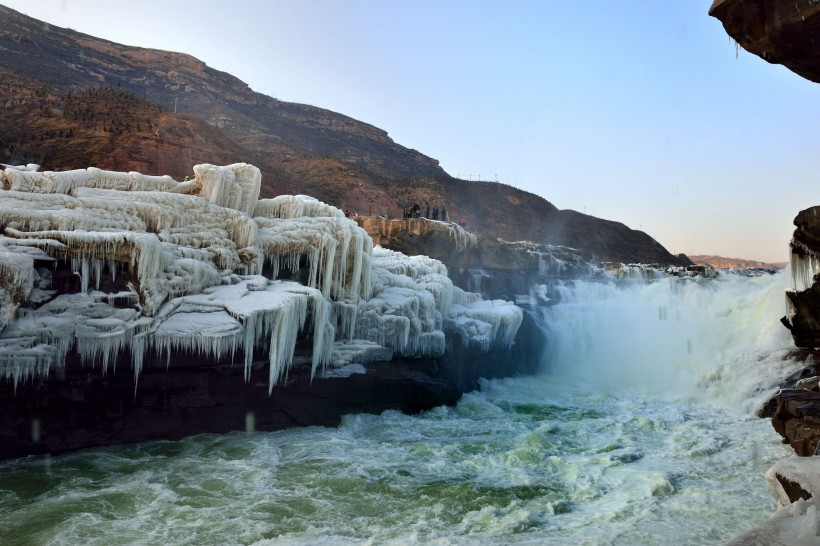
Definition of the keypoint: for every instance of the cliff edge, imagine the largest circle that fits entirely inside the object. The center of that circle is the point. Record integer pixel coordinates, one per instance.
(778, 31)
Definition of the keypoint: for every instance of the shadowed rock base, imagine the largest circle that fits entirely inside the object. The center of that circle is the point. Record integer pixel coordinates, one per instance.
(79, 407)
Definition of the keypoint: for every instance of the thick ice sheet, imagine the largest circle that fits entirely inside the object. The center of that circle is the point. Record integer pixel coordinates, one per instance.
(193, 255)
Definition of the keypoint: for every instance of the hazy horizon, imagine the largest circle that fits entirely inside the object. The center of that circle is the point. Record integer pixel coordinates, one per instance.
(631, 111)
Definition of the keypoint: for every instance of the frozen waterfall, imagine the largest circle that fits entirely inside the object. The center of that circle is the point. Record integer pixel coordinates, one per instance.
(207, 268)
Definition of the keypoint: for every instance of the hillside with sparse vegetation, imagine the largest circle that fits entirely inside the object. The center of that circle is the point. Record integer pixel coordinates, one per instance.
(158, 112)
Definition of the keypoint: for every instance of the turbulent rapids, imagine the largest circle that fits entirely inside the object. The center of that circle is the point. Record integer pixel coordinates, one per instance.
(640, 429)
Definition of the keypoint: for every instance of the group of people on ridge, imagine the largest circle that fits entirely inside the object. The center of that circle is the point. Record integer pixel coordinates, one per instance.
(414, 211)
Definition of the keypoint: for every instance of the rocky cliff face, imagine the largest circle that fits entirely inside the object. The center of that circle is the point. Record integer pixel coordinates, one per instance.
(494, 267)
(778, 31)
(300, 149)
(803, 310)
(105, 127)
(783, 32)
(797, 414)
(503, 269)
(70, 60)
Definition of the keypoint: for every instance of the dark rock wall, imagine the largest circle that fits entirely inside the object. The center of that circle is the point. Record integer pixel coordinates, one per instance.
(78, 406)
(788, 33)
(803, 317)
(797, 413)
(783, 32)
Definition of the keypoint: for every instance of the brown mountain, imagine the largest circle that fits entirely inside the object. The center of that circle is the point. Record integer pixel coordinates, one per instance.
(105, 127)
(720, 262)
(72, 100)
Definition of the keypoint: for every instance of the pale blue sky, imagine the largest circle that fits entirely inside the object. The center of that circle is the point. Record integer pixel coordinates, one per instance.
(633, 110)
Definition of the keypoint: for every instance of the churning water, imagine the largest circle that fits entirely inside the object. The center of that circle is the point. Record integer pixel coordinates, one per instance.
(640, 430)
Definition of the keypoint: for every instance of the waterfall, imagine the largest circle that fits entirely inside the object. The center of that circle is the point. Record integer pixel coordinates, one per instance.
(718, 339)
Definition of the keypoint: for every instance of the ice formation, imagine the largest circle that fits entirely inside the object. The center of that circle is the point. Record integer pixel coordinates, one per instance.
(415, 303)
(794, 523)
(105, 263)
(639, 272)
(804, 471)
(804, 265)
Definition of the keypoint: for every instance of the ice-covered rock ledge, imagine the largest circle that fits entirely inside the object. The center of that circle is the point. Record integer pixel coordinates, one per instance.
(795, 484)
(104, 271)
(803, 300)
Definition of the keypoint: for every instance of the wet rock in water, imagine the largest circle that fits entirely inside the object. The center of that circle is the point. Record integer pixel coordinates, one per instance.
(797, 419)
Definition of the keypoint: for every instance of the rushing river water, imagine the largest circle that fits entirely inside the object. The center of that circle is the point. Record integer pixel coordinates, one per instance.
(640, 430)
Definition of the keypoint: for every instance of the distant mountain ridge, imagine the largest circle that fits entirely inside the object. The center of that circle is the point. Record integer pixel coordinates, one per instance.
(210, 116)
(719, 262)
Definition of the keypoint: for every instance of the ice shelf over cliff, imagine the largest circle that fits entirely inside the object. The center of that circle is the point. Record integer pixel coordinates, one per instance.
(105, 263)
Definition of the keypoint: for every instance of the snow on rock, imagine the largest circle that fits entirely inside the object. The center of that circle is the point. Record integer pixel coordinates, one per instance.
(795, 523)
(22, 180)
(295, 206)
(245, 315)
(486, 323)
(803, 471)
(161, 266)
(346, 352)
(413, 300)
(65, 181)
(249, 179)
(412, 266)
(235, 186)
(402, 313)
(40, 338)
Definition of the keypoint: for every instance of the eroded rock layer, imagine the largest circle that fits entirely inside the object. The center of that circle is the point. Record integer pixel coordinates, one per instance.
(783, 32)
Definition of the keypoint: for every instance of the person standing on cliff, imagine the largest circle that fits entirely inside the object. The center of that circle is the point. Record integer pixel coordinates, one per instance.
(443, 214)
(416, 210)
(435, 213)
(427, 210)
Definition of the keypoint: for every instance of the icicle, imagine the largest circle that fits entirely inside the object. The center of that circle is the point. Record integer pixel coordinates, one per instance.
(188, 253)
(804, 265)
(486, 323)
